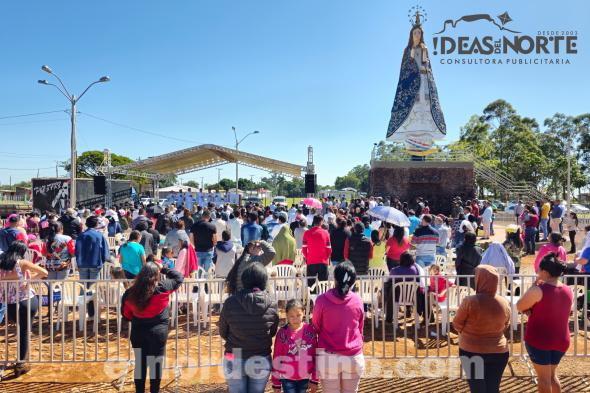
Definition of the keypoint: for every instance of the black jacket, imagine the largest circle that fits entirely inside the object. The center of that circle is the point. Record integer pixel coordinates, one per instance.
(468, 258)
(338, 240)
(248, 322)
(156, 236)
(359, 250)
(72, 227)
(158, 311)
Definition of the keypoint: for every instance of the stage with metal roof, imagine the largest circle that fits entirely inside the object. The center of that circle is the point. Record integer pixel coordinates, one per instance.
(203, 157)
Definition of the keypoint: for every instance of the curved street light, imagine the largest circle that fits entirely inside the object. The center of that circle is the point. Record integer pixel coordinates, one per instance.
(237, 144)
(73, 100)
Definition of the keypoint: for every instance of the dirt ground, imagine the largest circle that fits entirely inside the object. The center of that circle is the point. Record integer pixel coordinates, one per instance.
(199, 346)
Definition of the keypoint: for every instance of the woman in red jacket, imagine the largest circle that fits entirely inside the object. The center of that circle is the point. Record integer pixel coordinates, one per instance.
(145, 304)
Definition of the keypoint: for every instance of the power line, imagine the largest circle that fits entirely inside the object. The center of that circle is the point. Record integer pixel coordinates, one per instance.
(137, 129)
(143, 131)
(35, 121)
(22, 169)
(31, 114)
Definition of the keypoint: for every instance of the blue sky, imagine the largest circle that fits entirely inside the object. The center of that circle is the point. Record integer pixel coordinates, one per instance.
(320, 73)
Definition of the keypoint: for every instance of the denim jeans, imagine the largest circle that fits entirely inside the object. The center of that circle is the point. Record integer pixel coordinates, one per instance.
(544, 227)
(294, 386)
(529, 238)
(205, 259)
(247, 375)
(441, 251)
(425, 260)
(335, 263)
(2, 311)
(89, 274)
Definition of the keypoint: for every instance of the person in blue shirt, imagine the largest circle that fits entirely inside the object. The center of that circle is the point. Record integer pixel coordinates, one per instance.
(114, 227)
(8, 235)
(251, 231)
(414, 221)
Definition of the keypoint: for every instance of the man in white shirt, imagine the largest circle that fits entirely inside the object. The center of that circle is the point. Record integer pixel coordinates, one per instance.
(171, 197)
(235, 227)
(220, 225)
(292, 214)
(372, 203)
(179, 198)
(328, 215)
(209, 196)
(273, 206)
(200, 198)
(189, 200)
(217, 197)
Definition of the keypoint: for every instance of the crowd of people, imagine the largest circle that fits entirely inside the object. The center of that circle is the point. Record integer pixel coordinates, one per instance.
(240, 241)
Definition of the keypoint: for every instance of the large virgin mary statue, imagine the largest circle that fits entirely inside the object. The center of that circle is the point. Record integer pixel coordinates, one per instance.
(416, 116)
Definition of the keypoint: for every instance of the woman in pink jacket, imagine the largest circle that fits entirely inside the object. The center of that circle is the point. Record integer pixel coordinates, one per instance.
(555, 246)
(294, 356)
(338, 317)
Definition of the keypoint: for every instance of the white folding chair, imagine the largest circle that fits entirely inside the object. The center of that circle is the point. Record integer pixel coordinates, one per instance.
(407, 294)
(112, 244)
(30, 255)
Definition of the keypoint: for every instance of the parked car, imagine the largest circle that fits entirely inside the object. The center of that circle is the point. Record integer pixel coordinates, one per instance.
(166, 203)
(280, 200)
(510, 209)
(500, 205)
(147, 201)
(253, 199)
(579, 209)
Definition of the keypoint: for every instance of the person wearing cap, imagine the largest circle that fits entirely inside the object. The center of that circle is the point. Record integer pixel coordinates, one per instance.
(457, 209)
(71, 225)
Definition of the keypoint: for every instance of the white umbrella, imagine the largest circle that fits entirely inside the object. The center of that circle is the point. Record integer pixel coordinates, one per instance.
(391, 215)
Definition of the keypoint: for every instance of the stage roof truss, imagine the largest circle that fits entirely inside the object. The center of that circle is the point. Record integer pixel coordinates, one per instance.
(203, 157)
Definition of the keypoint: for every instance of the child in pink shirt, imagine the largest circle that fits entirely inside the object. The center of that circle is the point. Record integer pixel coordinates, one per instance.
(294, 354)
(439, 284)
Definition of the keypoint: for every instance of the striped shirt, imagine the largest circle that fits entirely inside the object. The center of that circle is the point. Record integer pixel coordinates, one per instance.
(425, 240)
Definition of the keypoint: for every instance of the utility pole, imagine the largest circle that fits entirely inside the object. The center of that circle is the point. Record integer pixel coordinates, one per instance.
(202, 184)
(252, 186)
(56, 163)
(219, 175)
(569, 190)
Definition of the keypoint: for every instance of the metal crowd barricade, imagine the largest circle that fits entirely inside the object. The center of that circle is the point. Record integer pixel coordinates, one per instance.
(203, 301)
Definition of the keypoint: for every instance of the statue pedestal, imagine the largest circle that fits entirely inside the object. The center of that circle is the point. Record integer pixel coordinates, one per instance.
(438, 182)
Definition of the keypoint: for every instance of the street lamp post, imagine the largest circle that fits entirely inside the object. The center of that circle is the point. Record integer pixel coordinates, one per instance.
(237, 145)
(73, 100)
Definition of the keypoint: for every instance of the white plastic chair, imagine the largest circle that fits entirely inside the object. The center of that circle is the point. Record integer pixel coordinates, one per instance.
(440, 260)
(377, 272)
(283, 271)
(30, 255)
(112, 243)
(105, 272)
(184, 295)
(369, 291)
(215, 295)
(70, 297)
(320, 288)
(407, 294)
(284, 288)
(454, 297)
(108, 295)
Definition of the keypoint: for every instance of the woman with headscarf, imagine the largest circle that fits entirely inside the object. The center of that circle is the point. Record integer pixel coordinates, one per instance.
(497, 256)
(285, 247)
(482, 319)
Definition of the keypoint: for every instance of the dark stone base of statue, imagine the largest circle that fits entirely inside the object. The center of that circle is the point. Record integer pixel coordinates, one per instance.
(438, 182)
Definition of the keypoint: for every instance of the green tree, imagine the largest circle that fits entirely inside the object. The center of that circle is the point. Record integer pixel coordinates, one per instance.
(349, 180)
(497, 115)
(192, 184)
(226, 184)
